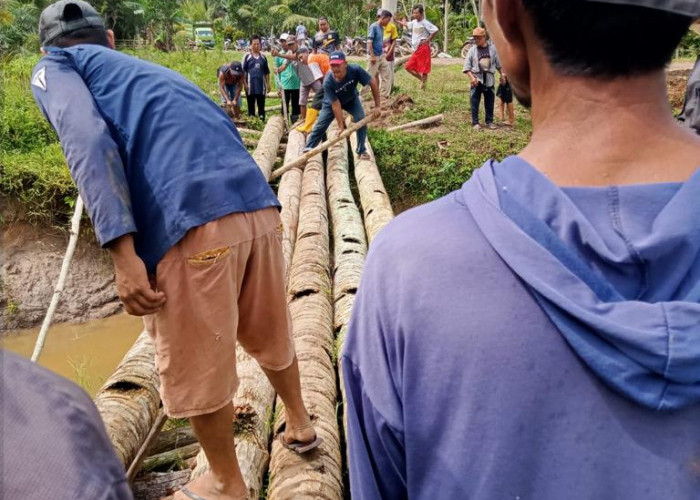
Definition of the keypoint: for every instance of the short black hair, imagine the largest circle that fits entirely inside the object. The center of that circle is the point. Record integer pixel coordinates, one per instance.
(255, 37)
(91, 35)
(418, 7)
(605, 40)
(323, 18)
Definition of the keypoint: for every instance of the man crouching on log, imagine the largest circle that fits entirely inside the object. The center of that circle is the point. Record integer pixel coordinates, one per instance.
(340, 93)
(191, 224)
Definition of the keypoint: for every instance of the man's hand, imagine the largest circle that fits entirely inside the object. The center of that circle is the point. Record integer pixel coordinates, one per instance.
(376, 111)
(133, 286)
(474, 82)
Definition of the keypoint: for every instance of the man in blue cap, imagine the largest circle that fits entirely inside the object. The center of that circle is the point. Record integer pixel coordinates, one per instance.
(536, 333)
(340, 93)
(190, 222)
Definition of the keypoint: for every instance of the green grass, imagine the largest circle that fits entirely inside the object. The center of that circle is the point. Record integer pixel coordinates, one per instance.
(414, 168)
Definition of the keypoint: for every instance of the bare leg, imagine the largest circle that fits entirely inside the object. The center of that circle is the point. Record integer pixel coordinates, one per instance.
(511, 113)
(502, 110)
(423, 82)
(288, 385)
(414, 73)
(224, 480)
(302, 112)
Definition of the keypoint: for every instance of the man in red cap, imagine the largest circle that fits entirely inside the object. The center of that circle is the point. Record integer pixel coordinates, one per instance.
(340, 93)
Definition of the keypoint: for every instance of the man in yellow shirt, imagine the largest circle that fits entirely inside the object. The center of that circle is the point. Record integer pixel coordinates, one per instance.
(391, 34)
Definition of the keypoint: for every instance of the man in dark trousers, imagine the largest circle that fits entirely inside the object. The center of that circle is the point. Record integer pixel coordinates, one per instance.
(257, 78)
(191, 225)
(340, 93)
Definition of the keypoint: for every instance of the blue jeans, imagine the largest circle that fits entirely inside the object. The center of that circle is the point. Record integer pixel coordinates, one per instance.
(231, 91)
(325, 118)
(489, 101)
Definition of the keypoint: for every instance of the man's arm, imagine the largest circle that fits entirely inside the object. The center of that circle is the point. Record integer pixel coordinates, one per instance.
(468, 68)
(96, 166)
(338, 113)
(432, 31)
(222, 88)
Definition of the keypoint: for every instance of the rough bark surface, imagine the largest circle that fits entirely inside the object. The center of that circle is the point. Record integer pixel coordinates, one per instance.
(255, 398)
(349, 240)
(157, 485)
(128, 402)
(266, 152)
(174, 438)
(168, 459)
(376, 204)
(318, 474)
(289, 194)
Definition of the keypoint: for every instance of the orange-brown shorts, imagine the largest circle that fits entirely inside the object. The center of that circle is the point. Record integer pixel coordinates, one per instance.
(223, 282)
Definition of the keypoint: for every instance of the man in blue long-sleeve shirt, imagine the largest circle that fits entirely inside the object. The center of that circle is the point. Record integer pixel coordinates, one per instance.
(535, 335)
(190, 222)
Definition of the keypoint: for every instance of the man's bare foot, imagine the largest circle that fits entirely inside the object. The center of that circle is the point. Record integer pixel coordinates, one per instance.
(208, 487)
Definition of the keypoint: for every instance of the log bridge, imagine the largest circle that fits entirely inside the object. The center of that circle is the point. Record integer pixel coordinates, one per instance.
(325, 239)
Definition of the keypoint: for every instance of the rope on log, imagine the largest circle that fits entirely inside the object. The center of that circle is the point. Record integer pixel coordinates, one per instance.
(147, 443)
(129, 400)
(254, 400)
(376, 204)
(418, 123)
(318, 474)
(324, 145)
(62, 275)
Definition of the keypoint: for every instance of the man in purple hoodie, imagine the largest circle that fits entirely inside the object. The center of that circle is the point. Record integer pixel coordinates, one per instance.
(536, 334)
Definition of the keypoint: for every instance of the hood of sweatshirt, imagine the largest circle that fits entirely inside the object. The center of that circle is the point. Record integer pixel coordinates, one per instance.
(616, 269)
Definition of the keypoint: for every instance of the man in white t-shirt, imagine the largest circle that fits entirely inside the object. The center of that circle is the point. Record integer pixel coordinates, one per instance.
(422, 33)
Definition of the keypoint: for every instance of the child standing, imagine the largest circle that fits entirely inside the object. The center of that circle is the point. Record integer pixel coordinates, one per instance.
(505, 100)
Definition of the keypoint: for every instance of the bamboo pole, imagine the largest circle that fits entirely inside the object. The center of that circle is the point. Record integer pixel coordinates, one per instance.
(266, 151)
(129, 400)
(284, 102)
(418, 123)
(62, 275)
(324, 145)
(376, 204)
(255, 397)
(316, 475)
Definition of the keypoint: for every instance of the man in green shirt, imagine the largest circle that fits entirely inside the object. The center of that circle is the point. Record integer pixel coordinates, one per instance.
(287, 77)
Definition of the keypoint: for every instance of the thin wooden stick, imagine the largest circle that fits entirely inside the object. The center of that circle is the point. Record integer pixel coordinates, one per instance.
(284, 102)
(150, 438)
(72, 242)
(300, 160)
(425, 121)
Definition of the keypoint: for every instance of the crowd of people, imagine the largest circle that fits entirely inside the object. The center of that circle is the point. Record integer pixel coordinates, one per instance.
(299, 70)
(533, 334)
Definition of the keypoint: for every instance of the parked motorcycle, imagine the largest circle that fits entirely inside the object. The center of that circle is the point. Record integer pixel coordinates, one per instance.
(359, 44)
(349, 46)
(242, 45)
(466, 46)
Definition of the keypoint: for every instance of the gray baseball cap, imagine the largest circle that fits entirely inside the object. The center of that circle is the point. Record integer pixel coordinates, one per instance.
(66, 16)
(690, 8)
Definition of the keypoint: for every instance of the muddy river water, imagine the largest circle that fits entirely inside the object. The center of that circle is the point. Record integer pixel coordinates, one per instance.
(86, 353)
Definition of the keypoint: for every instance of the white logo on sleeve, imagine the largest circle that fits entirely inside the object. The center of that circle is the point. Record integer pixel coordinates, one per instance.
(39, 79)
